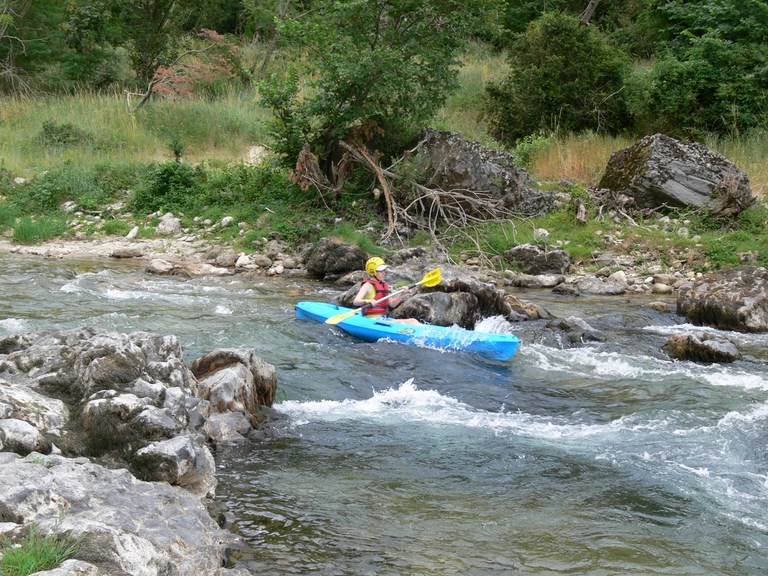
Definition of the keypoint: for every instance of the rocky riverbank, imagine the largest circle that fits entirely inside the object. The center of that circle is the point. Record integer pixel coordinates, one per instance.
(107, 439)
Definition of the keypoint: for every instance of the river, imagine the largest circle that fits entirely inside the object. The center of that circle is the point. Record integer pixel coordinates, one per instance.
(602, 459)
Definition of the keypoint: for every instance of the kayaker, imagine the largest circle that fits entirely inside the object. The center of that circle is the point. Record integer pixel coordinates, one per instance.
(376, 288)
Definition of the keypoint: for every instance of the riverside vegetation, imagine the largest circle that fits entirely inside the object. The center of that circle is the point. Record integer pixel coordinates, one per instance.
(35, 553)
(122, 168)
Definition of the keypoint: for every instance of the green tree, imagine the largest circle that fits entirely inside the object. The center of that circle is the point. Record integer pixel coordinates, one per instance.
(376, 70)
(519, 13)
(151, 30)
(711, 70)
(564, 76)
(31, 42)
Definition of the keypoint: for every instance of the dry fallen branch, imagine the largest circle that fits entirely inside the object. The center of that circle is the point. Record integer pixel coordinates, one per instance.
(364, 157)
(618, 203)
(307, 174)
(443, 214)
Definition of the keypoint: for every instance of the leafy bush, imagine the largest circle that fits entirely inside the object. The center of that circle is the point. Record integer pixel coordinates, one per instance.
(117, 227)
(244, 185)
(754, 220)
(8, 215)
(170, 187)
(710, 73)
(527, 148)
(53, 134)
(564, 77)
(714, 87)
(369, 76)
(48, 190)
(347, 232)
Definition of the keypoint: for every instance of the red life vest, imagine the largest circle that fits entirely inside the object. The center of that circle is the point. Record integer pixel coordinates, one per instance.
(382, 291)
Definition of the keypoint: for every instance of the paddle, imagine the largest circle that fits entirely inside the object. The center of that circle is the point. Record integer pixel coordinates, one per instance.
(431, 278)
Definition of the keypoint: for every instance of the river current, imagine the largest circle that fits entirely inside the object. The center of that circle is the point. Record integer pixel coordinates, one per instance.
(603, 459)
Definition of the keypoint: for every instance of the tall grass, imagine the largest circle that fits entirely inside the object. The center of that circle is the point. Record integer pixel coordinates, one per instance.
(750, 153)
(92, 149)
(103, 129)
(461, 112)
(575, 158)
(33, 231)
(110, 132)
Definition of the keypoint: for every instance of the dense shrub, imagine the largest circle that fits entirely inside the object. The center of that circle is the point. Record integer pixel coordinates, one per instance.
(63, 134)
(170, 187)
(564, 77)
(714, 86)
(50, 189)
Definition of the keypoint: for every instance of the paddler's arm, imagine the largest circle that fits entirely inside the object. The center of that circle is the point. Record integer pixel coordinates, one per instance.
(364, 296)
(395, 301)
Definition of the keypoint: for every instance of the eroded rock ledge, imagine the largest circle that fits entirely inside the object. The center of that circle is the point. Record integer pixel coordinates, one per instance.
(108, 438)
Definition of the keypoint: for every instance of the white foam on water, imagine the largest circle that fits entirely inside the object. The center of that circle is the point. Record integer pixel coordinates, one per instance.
(700, 460)
(718, 376)
(590, 362)
(494, 325)
(738, 419)
(71, 288)
(755, 340)
(407, 403)
(12, 325)
(403, 403)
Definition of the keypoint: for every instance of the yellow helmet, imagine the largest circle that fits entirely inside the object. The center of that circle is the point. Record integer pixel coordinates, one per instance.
(374, 265)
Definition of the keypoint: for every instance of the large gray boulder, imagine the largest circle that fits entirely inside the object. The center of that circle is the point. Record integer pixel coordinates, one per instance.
(448, 162)
(235, 379)
(662, 171)
(117, 432)
(332, 258)
(536, 259)
(21, 437)
(125, 398)
(734, 299)
(125, 526)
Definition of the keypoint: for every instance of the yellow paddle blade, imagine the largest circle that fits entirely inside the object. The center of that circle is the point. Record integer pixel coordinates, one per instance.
(431, 278)
(339, 317)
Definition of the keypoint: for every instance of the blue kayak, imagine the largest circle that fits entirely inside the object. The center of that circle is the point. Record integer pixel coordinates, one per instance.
(488, 344)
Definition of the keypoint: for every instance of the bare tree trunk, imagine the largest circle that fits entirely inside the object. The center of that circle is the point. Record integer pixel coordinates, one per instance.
(9, 13)
(282, 10)
(589, 11)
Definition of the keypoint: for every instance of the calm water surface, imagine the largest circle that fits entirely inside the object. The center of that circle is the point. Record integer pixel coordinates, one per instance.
(600, 460)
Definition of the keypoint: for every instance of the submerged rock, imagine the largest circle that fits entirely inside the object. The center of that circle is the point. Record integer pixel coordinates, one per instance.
(701, 348)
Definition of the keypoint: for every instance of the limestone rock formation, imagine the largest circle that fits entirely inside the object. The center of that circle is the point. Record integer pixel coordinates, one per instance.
(734, 299)
(660, 170)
